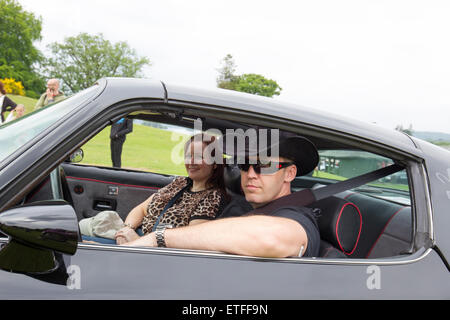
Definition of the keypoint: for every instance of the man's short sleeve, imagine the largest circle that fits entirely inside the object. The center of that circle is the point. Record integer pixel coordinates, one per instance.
(237, 207)
(307, 219)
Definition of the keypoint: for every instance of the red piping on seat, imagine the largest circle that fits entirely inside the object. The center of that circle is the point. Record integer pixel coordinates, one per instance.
(382, 231)
(115, 183)
(360, 228)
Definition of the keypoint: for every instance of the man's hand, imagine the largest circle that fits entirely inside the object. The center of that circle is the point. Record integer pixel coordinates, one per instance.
(51, 93)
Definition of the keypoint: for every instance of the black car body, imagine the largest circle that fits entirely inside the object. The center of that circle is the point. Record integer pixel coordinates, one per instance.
(399, 249)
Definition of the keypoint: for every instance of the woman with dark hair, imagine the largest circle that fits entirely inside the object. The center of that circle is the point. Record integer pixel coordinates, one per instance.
(187, 200)
(6, 103)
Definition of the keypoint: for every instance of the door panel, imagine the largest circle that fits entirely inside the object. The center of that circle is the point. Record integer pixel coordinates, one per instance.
(95, 189)
(169, 274)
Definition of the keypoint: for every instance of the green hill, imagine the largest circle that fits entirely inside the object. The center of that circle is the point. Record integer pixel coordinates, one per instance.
(434, 137)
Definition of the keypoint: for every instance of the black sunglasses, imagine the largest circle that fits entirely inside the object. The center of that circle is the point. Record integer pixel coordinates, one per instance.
(266, 168)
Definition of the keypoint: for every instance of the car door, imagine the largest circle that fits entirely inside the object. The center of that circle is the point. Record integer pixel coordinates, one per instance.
(97, 188)
(123, 273)
(164, 273)
(105, 271)
(109, 271)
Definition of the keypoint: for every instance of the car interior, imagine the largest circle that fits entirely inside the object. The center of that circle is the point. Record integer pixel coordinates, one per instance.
(371, 221)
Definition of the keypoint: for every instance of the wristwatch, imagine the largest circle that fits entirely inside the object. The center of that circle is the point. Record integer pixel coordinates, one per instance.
(159, 233)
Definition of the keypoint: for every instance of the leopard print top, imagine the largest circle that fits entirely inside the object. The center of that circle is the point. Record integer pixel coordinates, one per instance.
(205, 204)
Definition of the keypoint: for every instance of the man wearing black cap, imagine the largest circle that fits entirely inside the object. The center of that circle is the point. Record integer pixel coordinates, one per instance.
(272, 229)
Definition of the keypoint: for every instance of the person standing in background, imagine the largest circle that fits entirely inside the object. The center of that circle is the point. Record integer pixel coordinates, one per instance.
(17, 113)
(119, 130)
(51, 95)
(6, 103)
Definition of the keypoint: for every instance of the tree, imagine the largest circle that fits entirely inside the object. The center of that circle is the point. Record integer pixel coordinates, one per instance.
(250, 82)
(82, 60)
(19, 58)
(257, 84)
(227, 79)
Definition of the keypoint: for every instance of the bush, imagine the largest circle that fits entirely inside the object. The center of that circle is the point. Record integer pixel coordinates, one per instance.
(32, 94)
(13, 87)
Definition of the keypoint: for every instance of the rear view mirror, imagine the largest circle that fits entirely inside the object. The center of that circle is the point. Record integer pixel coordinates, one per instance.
(77, 156)
(36, 232)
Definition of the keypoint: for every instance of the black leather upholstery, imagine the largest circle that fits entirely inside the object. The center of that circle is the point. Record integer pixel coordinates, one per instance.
(353, 225)
(339, 223)
(327, 250)
(386, 229)
(232, 178)
(395, 239)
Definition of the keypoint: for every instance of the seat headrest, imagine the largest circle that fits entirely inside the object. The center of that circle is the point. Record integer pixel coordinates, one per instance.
(232, 178)
(340, 223)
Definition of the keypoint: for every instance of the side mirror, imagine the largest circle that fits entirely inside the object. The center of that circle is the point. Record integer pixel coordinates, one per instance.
(36, 232)
(77, 156)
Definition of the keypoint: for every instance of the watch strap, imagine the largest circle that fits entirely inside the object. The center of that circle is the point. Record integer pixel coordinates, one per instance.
(159, 234)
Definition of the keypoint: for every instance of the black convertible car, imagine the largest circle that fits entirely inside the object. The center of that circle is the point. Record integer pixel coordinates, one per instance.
(384, 217)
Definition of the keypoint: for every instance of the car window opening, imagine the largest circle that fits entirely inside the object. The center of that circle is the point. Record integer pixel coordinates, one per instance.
(367, 222)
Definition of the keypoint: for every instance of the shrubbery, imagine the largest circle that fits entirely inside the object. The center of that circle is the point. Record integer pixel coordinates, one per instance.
(13, 87)
(19, 58)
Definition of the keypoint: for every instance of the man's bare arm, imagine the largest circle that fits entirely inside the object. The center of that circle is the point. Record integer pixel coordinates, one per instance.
(261, 236)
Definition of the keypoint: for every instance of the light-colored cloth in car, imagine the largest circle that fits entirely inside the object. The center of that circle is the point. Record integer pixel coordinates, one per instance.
(105, 225)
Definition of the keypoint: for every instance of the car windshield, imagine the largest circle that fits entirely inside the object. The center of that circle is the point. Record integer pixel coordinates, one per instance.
(17, 133)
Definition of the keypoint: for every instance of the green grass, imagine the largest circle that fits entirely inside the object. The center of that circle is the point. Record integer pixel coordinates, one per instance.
(29, 103)
(145, 149)
(326, 175)
(443, 144)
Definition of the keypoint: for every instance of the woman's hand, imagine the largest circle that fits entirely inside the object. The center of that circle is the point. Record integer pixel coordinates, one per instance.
(126, 234)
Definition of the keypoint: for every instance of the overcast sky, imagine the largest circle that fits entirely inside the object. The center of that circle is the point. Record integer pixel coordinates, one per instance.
(378, 61)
